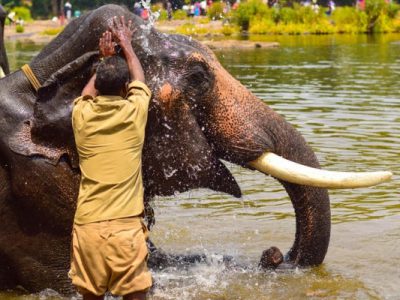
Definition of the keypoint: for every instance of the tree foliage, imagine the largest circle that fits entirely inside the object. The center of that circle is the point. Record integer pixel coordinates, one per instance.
(377, 16)
(48, 8)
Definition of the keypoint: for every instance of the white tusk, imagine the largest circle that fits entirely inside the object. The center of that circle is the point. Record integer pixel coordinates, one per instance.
(2, 72)
(289, 171)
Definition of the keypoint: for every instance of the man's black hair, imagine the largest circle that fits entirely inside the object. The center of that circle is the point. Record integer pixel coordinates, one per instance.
(111, 75)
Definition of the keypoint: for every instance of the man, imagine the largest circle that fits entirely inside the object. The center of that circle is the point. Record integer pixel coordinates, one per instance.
(109, 248)
(68, 10)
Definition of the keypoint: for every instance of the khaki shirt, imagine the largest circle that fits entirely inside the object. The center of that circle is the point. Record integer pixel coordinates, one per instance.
(109, 135)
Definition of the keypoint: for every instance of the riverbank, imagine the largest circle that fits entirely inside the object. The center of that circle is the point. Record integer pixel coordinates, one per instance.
(35, 31)
(43, 31)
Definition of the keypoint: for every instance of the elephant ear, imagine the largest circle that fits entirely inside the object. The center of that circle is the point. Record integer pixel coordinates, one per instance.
(177, 156)
(49, 132)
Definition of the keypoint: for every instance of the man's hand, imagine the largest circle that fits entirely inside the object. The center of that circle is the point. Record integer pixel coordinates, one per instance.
(122, 33)
(106, 45)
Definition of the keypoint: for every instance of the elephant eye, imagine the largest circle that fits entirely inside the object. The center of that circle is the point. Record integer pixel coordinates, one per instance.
(196, 74)
(197, 79)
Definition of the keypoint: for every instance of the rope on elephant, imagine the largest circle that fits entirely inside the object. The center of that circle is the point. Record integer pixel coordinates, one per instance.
(2, 72)
(31, 77)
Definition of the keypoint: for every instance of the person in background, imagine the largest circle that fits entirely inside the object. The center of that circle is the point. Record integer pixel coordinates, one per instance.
(20, 21)
(197, 9)
(227, 8)
(109, 251)
(169, 10)
(145, 14)
(361, 4)
(68, 10)
(137, 9)
(11, 17)
(315, 6)
(331, 7)
(203, 7)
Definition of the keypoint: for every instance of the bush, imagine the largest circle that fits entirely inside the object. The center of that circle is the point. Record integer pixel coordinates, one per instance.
(392, 10)
(299, 14)
(163, 15)
(52, 31)
(257, 18)
(349, 20)
(203, 20)
(159, 12)
(191, 29)
(286, 15)
(229, 30)
(381, 16)
(383, 25)
(179, 14)
(396, 25)
(216, 11)
(22, 12)
(248, 10)
(262, 26)
(19, 28)
(345, 15)
(322, 27)
(373, 9)
(156, 7)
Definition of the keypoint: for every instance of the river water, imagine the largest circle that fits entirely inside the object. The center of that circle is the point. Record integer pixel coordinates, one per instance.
(342, 93)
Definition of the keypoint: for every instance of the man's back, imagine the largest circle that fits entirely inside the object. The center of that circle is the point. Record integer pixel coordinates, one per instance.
(109, 251)
(109, 135)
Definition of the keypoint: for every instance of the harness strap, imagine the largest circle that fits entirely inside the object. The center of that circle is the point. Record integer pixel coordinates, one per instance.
(31, 77)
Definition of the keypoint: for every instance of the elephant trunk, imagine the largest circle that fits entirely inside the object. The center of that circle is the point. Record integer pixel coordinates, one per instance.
(245, 131)
(242, 128)
(313, 224)
(311, 204)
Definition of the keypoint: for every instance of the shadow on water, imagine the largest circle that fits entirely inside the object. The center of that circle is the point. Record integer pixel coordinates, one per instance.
(341, 93)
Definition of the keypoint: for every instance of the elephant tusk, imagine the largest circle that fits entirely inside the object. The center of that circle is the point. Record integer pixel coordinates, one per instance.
(289, 171)
(2, 72)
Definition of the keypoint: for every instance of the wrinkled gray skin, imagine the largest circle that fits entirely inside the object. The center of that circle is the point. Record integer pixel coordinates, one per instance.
(3, 56)
(198, 115)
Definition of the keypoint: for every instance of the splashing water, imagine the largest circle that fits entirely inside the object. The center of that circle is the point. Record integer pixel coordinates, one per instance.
(153, 16)
(147, 26)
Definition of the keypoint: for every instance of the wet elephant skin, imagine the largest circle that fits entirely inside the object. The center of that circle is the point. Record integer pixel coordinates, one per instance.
(199, 114)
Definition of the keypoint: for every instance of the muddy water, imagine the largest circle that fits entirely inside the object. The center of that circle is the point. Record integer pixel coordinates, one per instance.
(342, 93)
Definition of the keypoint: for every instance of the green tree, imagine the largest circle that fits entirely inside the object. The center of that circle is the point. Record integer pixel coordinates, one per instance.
(49, 8)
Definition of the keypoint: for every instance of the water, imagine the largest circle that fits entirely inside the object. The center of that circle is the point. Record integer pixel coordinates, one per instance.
(342, 93)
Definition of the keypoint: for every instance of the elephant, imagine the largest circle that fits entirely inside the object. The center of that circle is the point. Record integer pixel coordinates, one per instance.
(198, 115)
(4, 68)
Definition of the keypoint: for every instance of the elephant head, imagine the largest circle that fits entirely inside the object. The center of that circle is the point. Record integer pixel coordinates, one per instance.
(199, 115)
(4, 69)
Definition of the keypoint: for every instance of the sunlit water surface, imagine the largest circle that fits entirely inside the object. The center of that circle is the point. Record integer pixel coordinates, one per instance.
(342, 93)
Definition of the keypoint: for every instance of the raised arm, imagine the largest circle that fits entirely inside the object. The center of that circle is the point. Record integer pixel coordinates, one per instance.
(122, 34)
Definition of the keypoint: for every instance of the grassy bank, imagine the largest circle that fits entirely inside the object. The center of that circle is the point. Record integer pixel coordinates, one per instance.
(255, 17)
